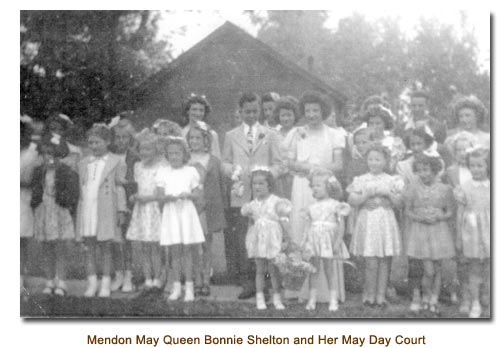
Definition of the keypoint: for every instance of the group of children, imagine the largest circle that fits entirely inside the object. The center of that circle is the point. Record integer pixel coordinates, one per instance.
(166, 198)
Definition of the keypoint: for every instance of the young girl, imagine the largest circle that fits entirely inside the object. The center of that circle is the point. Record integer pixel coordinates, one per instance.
(177, 186)
(265, 235)
(376, 233)
(165, 129)
(429, 206)
(211, 210)
(123, 145)
(473, 224)
(144, 229)
(102, 206)
(55, 196)
(198, 109)
(323, 239)
(29, 160)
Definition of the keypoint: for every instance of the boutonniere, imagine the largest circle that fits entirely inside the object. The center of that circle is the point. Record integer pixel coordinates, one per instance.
(261, 136)
(302, 132)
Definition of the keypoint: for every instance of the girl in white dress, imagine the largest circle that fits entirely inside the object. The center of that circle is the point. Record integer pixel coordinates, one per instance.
(177, 186)
(144, 228)
(265, 234)
(323, 239)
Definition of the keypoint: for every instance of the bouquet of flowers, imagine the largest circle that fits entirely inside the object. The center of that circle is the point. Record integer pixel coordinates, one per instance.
(294, 268)
(237, 187)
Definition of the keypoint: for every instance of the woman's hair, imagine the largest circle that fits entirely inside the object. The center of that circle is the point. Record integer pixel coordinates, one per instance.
(57, 146)
(470, 102)
(271, 184)
(248, 97)
(462, 136)
(269, 97)
(146, 137)
(313, 97)
(100, 130)
(179, 141)
(374, 100)
(125, 125)
(25, 134)
(63, 120)
(173, 129)
(196, 99)
(286, 103)
(421, 133)
(379, 111)
(480, 153)
(423, 160)
(205, 132)
(332, 185)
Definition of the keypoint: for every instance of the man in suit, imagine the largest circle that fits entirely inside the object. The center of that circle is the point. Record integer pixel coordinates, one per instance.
(420, 117)
(246, 146)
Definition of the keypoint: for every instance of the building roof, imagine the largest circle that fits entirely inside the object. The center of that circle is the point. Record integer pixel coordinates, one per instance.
(246, 39)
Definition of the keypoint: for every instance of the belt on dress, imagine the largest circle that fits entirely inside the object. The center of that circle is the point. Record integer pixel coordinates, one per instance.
(377, 202)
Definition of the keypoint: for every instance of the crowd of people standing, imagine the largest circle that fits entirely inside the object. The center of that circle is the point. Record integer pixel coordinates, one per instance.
(384, 188)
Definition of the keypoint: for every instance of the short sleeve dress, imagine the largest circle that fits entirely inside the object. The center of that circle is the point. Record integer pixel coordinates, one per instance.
(429, 241)
(265, 235)
(180, 223)
(376, 231)
(146, 217)
(474, 224)
(320, 237)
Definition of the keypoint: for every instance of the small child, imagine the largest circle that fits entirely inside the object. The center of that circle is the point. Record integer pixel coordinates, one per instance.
(323, 239)
(102, 206)
(211, 207)
(123, 145)
(265, 236)
(473, 224)
(144, 229)
(55, 196)
(376, 233)
(178, 185)
(429, 206)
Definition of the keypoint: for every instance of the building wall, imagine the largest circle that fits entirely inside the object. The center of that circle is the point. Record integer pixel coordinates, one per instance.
(221, 72)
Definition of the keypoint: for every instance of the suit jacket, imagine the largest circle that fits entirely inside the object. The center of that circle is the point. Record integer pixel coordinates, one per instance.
(265, 152)
(111, 197)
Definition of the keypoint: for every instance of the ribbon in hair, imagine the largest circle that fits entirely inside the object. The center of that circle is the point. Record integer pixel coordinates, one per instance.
(261, 169)
(114, 121)
(26, 119)
(65, 118)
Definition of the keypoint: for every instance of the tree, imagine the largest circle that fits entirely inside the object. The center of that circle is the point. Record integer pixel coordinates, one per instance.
(84, 63)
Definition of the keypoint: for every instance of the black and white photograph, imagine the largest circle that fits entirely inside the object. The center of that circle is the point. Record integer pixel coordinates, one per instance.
(286, 164)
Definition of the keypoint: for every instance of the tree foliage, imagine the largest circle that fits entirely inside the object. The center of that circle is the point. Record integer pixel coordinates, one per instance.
(362, 57)
(84, 63)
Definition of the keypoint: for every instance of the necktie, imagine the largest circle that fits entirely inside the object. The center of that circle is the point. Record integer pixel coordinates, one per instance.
(250, 139)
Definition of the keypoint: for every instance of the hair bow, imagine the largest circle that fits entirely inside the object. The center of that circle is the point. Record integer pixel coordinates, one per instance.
(261, 169)
(476, 147)
(430, 152)
(65, 118)
(100, 125)
(26, 119)
(202, 125)
(56, 139)
(114, 121)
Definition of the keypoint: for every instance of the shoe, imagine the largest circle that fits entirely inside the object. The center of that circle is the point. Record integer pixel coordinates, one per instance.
(61, 288)
(415, 306)
(475, 311)
(156, 283)
(148, 283)
(369, 304)
(434, 308)
(176, 291)
(127, 286)
(117, 282)
(92, 286)
(189, 292)
(277, 302)
(454, 298)
(246, 294)
(334, 303)
(261, 301)
(464, 307)
(49, 288)
(105, 290)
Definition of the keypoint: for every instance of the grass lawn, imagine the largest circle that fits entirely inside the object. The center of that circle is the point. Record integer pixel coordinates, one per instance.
(158, 307)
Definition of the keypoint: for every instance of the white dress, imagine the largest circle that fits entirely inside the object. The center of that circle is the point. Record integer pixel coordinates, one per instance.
(90, 193)
(29, 159)
(146, 217)
(180, 223)
(315, 148)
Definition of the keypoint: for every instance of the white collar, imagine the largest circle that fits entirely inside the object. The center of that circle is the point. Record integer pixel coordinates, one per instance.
(484, 183)
(246, 127)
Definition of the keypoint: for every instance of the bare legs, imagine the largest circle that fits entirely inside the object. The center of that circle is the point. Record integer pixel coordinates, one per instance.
(313, 283)
(264, 266)
(376, 279)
